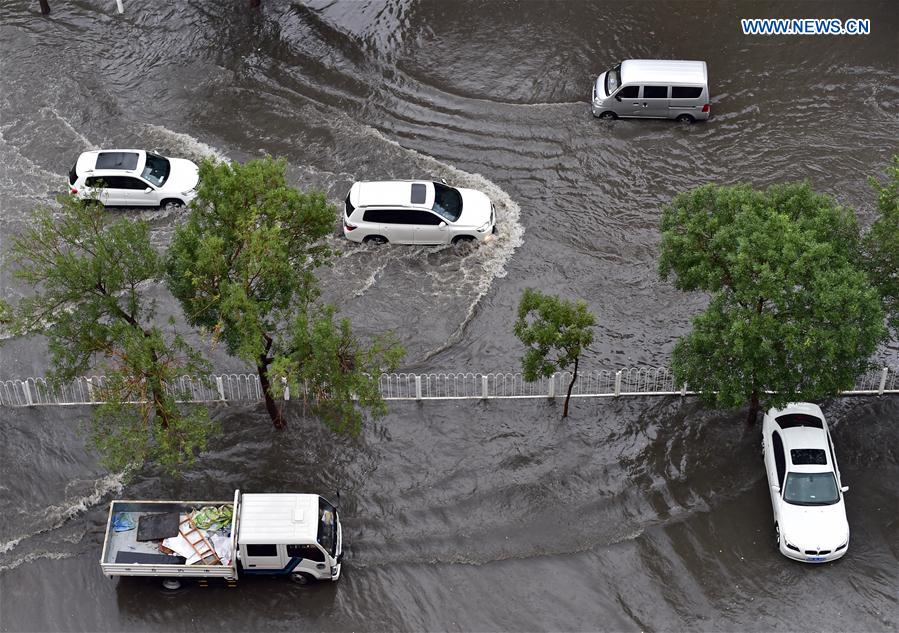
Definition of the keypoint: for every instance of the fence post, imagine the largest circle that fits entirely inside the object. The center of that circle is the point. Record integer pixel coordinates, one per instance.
(418, 386)
(484, 395)
(683, 390)
(286, 388)
(617, 383)
(883, 381)
(551, 392)
(29, 400)
(90, 388)
(220, 385)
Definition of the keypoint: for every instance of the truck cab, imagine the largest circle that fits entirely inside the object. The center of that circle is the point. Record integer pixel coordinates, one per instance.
(296, 534)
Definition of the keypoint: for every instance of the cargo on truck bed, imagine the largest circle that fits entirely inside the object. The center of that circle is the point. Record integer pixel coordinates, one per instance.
(280, 533)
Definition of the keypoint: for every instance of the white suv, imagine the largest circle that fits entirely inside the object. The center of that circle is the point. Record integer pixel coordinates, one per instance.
(804, 482)
(134, 178)
(417, 212)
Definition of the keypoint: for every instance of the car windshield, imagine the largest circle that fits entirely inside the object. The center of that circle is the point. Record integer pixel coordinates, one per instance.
(156, 170)
(613, 79)
(811, 489)
(447, 202)
(327, 526)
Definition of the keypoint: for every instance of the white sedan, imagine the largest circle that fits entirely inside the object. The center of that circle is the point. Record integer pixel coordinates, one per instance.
(804, 482)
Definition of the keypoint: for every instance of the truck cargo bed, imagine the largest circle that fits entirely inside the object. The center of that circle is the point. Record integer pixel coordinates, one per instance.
(136, 551)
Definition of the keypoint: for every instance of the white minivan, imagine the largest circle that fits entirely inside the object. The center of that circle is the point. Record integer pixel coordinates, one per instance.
(653, 88)
(417, 212)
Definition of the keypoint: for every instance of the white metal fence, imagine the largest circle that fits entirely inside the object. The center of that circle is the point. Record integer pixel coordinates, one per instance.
(631, 381)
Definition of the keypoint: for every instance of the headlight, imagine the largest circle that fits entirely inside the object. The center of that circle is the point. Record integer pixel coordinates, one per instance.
(484, 228)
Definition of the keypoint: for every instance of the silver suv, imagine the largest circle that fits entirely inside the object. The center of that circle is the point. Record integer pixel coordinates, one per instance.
(417, 212)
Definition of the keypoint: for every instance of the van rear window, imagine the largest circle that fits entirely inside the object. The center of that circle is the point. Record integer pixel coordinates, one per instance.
(685, 92)
(73, 175)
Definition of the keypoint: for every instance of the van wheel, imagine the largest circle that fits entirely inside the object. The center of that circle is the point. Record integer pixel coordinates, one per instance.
(171, 205)
(685, 118)
(608, 116)
(302, 578)
(375, 239)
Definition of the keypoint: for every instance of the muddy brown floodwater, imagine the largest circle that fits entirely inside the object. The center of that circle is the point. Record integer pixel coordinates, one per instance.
(633, 514)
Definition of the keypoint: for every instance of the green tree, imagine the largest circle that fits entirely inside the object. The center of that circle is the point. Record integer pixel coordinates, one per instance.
(242, 267)
(882, 244)
(556, 331)
(337, 376)
(89, 274)
(791, 316)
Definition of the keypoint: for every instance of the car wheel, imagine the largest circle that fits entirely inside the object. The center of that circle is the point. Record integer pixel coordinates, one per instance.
(302, 578)
(171, 205)
(375, 239)
(685, 118)
(608, 116)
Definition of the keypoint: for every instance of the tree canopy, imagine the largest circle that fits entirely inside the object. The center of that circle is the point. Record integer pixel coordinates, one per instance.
(242, 267)
(556, 331)
(792, 316)
(882, 243)
(89, 273)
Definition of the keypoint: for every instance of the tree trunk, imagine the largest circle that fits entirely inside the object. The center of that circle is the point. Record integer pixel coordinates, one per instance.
(274, 411)
(45, 7)
(570, 387)
(753, 408)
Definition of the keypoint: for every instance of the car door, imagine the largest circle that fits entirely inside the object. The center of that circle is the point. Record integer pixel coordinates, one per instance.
(260, 557)
(626, 102)
(397, 225)
(428, 229)
(138, 193)
(308, 558)
(98, 186)
(654, 101)
(779, 459)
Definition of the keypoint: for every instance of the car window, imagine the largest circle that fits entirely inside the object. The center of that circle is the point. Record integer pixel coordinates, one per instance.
(419, 193)
(349, 208)
(655, 92)
(95, 181)
(73, 175)
(780, 459)
(389, 216)
(131, 183)
(685, 92)
(426, 218)
(613, 79)
(156, 169)
(629, 92)
(309, 552)
(262, 550)
(117, 160)
(793, 420)
(811, 489)
(447, 202)
(808, 456)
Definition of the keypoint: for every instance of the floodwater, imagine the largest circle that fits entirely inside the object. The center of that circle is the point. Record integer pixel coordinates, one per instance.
(636, 514)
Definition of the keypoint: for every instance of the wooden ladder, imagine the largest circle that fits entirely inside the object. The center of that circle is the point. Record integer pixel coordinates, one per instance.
(198, 543)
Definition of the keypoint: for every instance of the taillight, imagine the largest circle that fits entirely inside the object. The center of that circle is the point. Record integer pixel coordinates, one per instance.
(348, 226)
(707, 107)
(72, 190)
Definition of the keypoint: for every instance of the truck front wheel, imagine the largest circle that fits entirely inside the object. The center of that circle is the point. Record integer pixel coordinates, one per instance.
(302, 578)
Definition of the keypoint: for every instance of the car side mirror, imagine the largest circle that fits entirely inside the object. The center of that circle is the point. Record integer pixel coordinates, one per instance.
(845, 488)
(617, 97)
(442, 225)
(148, 189)
(775, 488)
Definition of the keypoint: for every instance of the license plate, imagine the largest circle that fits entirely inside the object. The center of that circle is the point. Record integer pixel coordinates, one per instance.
(816, 558)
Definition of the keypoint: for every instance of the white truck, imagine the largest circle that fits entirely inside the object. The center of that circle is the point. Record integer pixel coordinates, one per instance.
(293, 534)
